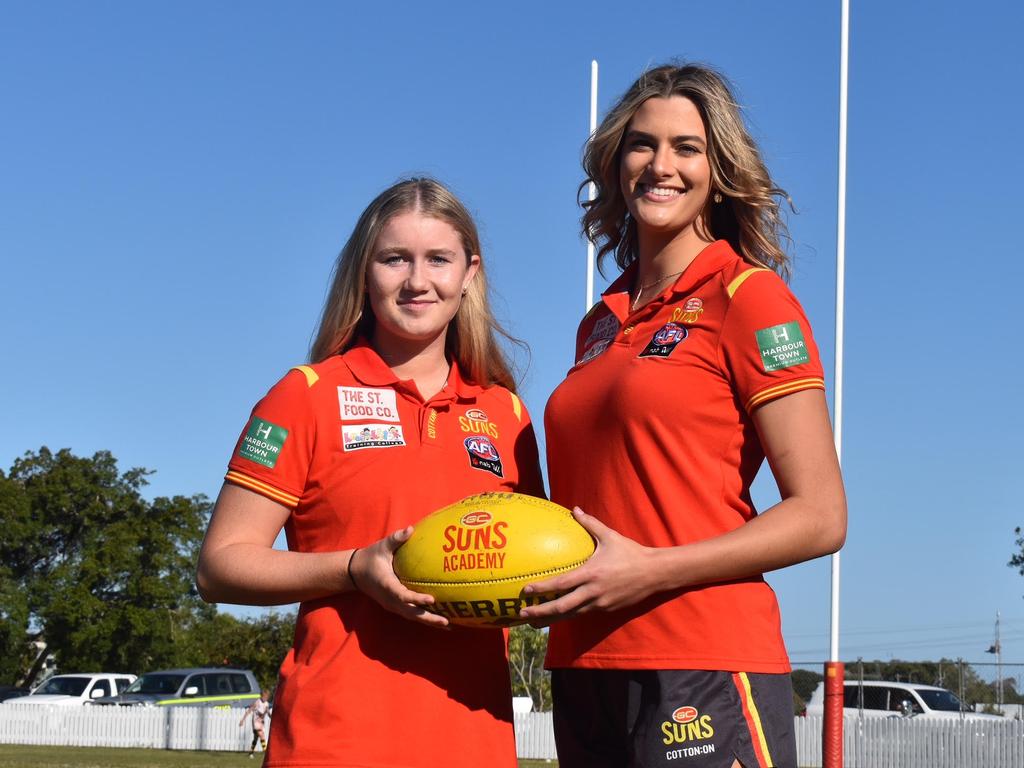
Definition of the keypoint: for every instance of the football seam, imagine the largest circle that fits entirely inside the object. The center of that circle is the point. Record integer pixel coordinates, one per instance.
(533, 574)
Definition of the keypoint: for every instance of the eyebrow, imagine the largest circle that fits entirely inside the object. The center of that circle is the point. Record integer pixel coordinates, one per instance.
(633, 134)
(398, 250)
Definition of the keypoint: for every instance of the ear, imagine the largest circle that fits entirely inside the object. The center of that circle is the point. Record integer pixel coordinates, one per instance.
(474, 267)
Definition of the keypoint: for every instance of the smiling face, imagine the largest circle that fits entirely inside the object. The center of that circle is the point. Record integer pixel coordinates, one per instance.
(415, 279)
(664, 169)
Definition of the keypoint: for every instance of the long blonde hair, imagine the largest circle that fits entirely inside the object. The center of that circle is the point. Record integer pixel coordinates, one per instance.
(347, 315)
(748, 216)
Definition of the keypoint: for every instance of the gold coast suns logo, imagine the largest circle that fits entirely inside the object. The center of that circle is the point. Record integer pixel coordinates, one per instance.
(478, 541)
(687, 726)
(476, 422)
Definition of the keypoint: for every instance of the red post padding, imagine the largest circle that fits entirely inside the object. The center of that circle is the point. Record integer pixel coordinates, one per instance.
(832, 728)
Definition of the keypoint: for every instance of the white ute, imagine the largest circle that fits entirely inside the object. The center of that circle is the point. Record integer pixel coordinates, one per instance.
(884, 698)
(76, 689)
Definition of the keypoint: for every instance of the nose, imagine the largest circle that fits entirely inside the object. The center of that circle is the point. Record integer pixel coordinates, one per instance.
(416, 277)
(661, 161)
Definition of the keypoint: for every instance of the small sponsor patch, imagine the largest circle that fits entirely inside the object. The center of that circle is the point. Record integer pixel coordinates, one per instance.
(605, 328)
(357, 436)
(362, 403)
(262, 442)
(483, 455)
(665, 340)
(782, 346)
(594, 350)
(476, 414)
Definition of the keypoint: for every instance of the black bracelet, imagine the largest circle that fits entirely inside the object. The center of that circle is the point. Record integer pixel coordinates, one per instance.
(349, 569)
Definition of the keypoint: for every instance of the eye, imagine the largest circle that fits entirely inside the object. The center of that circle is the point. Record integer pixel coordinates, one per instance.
(687, 150)
(440, 258)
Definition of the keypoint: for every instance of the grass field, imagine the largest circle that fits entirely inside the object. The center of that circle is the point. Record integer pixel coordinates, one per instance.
(13, 756)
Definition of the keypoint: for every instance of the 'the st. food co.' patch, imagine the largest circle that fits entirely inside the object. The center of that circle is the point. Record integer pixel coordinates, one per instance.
(483, 455)
(665, 340)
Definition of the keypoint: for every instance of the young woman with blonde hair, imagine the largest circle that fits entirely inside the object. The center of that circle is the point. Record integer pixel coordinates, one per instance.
(696, 365)
(346, 454)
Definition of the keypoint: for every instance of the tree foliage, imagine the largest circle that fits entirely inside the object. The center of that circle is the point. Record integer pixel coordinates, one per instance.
(98, 573)
(526, 649)
(259, 644)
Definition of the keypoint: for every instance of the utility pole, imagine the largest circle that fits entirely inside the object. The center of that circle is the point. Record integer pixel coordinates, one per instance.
(997, 649)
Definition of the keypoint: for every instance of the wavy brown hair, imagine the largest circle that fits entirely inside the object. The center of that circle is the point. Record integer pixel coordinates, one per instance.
(748, 216)
(347, 316)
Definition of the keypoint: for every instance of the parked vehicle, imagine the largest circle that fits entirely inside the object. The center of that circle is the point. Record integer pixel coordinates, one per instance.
(884, 698)
(203, 686)
(77, 689)
(12, 692)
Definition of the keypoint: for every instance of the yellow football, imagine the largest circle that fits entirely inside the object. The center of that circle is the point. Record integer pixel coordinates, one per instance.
(476, 555)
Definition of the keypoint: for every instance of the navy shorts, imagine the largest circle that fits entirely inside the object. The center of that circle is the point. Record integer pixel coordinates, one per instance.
(679, 718)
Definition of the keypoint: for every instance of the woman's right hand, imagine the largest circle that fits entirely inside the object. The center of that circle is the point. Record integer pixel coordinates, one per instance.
(372, 572)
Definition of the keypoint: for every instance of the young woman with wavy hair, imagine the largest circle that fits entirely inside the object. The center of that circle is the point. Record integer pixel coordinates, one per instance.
(696, 365)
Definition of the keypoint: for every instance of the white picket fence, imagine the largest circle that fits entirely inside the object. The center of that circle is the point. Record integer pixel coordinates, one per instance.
(199, 728)
(868, 742)
(908, 743)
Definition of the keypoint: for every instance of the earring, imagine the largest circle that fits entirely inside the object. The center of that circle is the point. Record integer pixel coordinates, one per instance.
(718, 197)
(464, 290)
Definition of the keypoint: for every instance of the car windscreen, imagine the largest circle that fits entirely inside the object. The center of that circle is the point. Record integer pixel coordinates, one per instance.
(941, 701)
(156, 683)
(64, 686)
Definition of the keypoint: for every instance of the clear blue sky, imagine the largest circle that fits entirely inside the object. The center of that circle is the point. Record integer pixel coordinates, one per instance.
(177, 178)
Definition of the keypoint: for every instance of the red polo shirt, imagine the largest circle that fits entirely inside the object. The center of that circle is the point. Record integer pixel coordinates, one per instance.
(356, 454)
(651, 432)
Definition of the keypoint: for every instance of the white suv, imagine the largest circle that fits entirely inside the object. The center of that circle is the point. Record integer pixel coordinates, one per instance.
(77, 689)
(883, 698)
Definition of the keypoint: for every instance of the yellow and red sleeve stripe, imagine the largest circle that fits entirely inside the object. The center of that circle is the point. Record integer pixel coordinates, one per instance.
(753, 718)
(785, 388)
(262, 488)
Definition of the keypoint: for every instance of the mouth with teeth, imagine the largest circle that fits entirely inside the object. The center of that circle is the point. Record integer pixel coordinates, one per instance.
(659, 193)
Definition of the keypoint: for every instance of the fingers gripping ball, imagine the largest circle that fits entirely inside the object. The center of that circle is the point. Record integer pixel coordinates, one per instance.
(475, 556)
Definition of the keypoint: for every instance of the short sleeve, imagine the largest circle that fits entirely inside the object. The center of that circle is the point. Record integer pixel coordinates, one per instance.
(531, 482)
(766, 346)
(273, 453)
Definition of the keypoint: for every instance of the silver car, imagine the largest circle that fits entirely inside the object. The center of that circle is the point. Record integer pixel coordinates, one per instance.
(220, 687)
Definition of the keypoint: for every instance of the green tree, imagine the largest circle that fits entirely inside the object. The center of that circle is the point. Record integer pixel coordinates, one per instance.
(526, 649)
(805, 681)
(259, 643)
(15, 653)
(106, 575)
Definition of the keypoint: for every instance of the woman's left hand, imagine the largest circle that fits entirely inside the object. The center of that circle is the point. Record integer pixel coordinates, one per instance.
(620, 573)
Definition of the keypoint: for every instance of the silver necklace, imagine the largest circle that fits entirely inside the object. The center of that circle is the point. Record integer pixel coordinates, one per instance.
(643, 288)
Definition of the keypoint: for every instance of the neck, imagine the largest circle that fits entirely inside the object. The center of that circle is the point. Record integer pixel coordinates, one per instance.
(662, 254)
(424, 363)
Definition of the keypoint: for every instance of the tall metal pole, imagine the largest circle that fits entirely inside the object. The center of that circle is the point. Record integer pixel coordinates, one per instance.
(832, 732)
(840, 302)
(999, 668)
(591, 189)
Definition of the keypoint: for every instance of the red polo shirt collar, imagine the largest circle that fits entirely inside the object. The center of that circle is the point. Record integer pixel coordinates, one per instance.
(368, 367)
(710, 261)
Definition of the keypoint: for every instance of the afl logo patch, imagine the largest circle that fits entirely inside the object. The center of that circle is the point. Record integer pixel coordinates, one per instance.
(483, 455)
(665, 340)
